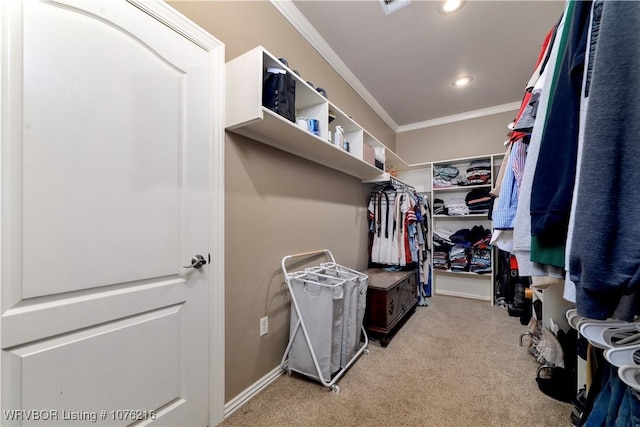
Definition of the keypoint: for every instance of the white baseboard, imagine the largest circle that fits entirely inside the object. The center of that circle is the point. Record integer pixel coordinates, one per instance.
(235, 403)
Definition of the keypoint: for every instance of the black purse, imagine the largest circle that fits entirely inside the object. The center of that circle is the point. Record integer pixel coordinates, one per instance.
(279, 94)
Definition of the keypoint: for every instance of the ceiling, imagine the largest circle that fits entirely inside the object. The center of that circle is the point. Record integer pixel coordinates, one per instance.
(403, 64)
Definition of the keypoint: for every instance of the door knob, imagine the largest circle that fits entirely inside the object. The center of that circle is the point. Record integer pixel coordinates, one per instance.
(196, 262)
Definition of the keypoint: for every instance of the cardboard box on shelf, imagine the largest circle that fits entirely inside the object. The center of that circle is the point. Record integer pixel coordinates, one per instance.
(368, 155)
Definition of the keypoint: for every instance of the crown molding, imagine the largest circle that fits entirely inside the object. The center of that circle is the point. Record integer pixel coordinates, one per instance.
(496, 109)
(304, 27)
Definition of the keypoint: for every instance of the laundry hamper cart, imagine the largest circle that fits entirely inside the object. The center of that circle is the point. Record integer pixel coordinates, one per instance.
(326, 335)
(355, 303)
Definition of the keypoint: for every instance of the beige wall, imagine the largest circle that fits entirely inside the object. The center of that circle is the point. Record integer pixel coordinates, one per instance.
(467, 138)
(278, 204)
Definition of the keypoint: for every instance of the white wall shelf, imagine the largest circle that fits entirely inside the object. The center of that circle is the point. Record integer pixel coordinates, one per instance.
(245, 115)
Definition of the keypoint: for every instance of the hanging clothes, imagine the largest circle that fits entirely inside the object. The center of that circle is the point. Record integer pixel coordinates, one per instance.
(552, 187)
(393, 225)
(505, 212)
(423, 217)
(577, 214)
(513, 164)
(597, 146)
(382, 212)
(592, 37)
(522, 224)
(605, 256)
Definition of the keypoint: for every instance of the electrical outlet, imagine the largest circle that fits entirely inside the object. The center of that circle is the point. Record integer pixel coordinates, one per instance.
(264, 326)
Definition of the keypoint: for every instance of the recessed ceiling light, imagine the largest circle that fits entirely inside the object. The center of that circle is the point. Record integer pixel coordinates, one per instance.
(462, 81)
(449, 6)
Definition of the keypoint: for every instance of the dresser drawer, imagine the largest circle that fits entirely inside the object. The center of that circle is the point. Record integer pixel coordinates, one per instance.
(408, 291)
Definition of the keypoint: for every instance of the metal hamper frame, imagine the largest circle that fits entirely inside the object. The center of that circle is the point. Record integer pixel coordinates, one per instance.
(328, 304)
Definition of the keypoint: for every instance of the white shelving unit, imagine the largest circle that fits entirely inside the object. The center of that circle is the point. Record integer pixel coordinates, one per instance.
(455, 283)
(245, 115)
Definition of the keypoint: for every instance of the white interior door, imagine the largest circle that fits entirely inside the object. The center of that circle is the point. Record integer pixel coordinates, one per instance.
(107, 185)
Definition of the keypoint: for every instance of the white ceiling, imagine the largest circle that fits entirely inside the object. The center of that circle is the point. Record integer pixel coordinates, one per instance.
(403, 63)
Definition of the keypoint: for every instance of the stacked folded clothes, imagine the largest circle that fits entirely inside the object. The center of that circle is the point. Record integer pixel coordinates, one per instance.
(447, 176)
(438, 207)
(440, 258)
(480, 237)
(446, 172)
(459, 258)
(461, 237)
(464, 250)
(478, 201)
(441, 248)
(480, 261)
(479, 172)
(457, 207)
(480, 251)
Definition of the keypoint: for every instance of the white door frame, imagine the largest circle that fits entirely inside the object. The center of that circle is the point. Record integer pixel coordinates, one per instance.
(173, 19)
(181, 24)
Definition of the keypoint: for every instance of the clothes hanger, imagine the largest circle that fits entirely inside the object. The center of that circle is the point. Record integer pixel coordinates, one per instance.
(379, 187)
(573, 318)
(592, 330)
(620, 336)
(621, 356)
(630, 374)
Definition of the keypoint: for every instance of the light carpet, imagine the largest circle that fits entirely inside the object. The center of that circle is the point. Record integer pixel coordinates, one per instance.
(457, 362)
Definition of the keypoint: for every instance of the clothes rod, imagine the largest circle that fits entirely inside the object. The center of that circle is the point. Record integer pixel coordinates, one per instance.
(395, 181)
(386, 177)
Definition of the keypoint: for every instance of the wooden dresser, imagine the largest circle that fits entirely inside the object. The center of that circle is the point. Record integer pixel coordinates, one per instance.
(391, 299)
